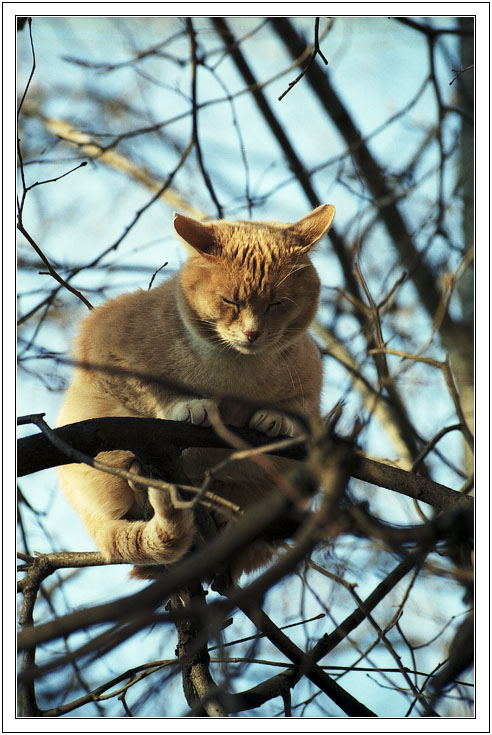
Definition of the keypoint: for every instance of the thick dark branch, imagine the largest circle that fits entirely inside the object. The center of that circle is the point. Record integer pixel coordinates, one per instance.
(408, 483)
(199, 686)
(431, 31)
(150, 439)
(147, 438)
(351, 706)
(370, 169)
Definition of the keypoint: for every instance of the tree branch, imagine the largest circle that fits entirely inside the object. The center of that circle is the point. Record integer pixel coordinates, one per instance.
(151, 438)
(261, 693)
(371, 170)
(194, 117)
(200, 689)
(315, 52)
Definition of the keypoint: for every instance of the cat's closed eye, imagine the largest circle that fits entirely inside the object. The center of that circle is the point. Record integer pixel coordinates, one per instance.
(237, 305)
(232, 303)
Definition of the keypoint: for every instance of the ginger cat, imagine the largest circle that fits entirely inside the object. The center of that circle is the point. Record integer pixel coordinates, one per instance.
(232, 322)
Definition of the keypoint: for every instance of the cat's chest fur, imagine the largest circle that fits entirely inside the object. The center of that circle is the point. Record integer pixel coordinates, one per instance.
(145, 332)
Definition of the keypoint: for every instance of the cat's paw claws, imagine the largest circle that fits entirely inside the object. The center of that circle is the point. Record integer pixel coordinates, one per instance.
(196, 411)
(272, 423)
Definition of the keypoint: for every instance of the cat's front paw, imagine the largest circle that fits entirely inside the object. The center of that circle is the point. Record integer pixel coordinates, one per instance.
(273, 423)
(196, 411)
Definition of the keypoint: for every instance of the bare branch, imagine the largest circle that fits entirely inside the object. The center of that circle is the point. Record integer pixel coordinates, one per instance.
(459, 72)
(315, 52)
(196, 140)
(51, 270)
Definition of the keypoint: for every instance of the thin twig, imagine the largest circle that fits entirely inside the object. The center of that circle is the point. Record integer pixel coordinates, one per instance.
(47, 263)
(56, 178)
(33, 67)
(459, 72)
(196, 140)
(155, 273)
(432, 443)
(382, 635)
(160, 191)
(445, 367)
(316, 51)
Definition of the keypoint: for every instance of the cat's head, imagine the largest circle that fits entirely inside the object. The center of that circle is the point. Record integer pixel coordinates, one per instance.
(251, 286)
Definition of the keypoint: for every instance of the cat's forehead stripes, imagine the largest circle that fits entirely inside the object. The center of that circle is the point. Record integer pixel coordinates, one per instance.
(258, 251)
(241, 240)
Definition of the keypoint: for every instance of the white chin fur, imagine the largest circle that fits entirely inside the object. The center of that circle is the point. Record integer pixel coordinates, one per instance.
(247, 348)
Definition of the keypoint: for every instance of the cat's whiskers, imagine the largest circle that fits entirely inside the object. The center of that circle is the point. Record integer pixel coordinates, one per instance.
(295, 365)
(224, 343)
(292, 271)
(293, 330)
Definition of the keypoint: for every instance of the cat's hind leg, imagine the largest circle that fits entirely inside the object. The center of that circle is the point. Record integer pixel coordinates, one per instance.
(108, 506)
(161, 540)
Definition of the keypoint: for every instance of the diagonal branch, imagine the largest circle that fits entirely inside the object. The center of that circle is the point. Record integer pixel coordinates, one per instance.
(372, 172)
(334, 486)
(261, 693)
(47, 263)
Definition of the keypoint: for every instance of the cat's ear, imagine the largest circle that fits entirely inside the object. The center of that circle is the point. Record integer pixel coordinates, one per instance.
(200, 236)
(310, 228)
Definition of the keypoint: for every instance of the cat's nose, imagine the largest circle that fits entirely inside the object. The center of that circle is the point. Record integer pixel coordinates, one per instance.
(251, 334)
